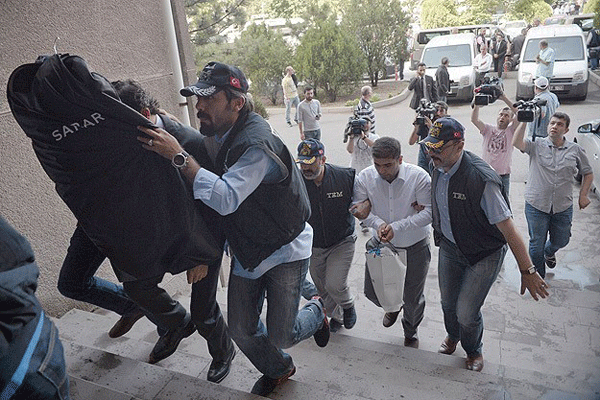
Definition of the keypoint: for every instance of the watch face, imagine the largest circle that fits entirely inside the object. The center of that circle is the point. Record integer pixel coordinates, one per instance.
(179, 160)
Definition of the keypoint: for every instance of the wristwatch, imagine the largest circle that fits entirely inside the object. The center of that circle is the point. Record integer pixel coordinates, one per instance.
(529, 271)
(180, 160)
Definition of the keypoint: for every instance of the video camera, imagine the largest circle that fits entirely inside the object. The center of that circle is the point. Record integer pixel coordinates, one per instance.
(528, 111)
(489, 91)
(355, 127)
(426, 109)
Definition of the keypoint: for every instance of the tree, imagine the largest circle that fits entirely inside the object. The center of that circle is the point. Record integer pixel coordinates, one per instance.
(439, 13)
(329, 57)
(479, 12)
(530, 9)
(207, 19)
(593, 6)
(262, 54)
(380, 27)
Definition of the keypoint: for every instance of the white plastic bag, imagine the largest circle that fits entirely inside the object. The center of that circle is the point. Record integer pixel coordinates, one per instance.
(387, 268)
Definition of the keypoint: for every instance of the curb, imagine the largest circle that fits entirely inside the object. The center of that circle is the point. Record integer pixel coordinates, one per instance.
(594, 77)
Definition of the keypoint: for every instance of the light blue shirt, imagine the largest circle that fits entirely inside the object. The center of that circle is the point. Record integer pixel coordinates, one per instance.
(225, 194)
(492, 203)
(547, 55)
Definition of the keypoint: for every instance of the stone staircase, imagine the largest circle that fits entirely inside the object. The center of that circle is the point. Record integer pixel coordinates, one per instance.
(367, 362)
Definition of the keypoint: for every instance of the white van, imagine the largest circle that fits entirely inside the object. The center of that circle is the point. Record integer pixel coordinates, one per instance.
(570, 75)
(461, 50)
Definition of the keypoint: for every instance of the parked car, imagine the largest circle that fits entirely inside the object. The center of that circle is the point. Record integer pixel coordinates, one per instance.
(588, 137)
(570, 77)
(555, 20)
(584, 21)
(420, 40)
(460, 49)
(513, 29)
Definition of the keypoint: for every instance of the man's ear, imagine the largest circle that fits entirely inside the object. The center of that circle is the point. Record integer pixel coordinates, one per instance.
(239, 103)
(145, 112)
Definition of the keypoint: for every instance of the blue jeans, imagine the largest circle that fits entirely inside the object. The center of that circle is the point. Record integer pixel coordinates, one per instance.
(506, 186)
(77, 281)
(423, 160)
(293, 102)
(541, 224)
(463, 289)
(316, 134)
(286, 326)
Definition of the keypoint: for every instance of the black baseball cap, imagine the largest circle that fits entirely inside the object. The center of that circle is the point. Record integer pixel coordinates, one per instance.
(309, 150)
(215, 76)
(442, 131)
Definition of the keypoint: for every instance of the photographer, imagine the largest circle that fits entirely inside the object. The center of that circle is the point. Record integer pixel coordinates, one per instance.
(539, 127)
(497, 140)
(361, 139)
(421, 131)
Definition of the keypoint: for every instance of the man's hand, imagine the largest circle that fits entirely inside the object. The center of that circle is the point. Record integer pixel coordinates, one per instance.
(535, 284)
(417, 206)
(584, 201)
(361, 210)
(160, 141)
(385, 232)
(197, 273)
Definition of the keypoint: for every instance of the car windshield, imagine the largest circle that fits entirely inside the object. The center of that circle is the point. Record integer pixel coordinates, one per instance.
(567, 48)
(458, 54)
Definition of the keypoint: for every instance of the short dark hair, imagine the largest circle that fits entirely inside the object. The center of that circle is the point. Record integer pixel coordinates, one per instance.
(131, 93)
(306, 89)
(445, 60)
(421, 64)
(563, 116)
(231, 94)
(387, 147)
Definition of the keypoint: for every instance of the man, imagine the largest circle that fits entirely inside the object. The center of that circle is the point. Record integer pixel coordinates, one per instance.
(329, 190)
(539, 127)
(517, 45)
(497, 140)
(420, 132)
(364, 108)
(442, 79)
(544, 60)
(536, 22)
(252, 183)
(482, 64)
(499, 50)
(553, 161)
(360, 147)
(481, 39)
(593, 45)
(424, 87)
(33, 363)
(309, 114)
(290, 95)
(400, 197)
(472, 224)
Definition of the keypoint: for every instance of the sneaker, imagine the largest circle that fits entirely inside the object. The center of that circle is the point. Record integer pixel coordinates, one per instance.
(265, 385)
(550, 261)
(349, 317)
(322, 334)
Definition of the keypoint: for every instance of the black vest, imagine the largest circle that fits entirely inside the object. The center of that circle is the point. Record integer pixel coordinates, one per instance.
(329, 203)
(274, 214)
(475, 237)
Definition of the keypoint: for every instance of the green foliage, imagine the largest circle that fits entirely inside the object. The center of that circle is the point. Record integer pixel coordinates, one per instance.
(329, 57)
(262, 54)
(207, 19)
(259, 108)
(593, 6)
(530, 9)
(380, 27)
(439, 13)
(352, 103)
(478, 11)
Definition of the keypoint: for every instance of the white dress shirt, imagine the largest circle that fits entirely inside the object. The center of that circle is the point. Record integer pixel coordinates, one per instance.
(391, 203)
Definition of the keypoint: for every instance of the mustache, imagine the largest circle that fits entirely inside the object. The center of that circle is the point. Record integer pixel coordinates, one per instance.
(201, 115)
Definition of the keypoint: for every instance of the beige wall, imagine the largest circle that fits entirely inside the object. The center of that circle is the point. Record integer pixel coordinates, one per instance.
(118, 39)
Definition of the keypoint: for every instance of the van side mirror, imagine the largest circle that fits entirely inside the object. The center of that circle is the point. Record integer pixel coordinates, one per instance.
(585, 128)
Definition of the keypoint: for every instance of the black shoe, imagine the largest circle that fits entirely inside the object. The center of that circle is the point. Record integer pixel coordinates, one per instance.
(335, 325)
(218, 370)
(411, 342)
(124, 325)
(550, 261)
(167, 343)
(266, 385)
(390, 318)
(349, 317)
(322, 334)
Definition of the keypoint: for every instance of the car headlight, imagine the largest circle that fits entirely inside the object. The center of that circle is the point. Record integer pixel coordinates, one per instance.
(465, 80)
(578, 76)
(525, 78)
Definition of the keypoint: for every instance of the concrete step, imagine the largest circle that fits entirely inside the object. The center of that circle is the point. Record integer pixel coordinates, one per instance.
(80, 389)
(358, 367)
(139, 380)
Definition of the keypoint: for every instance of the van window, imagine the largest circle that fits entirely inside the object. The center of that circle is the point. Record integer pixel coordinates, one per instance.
(425, 37)
(458, 54)
(568, 48)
